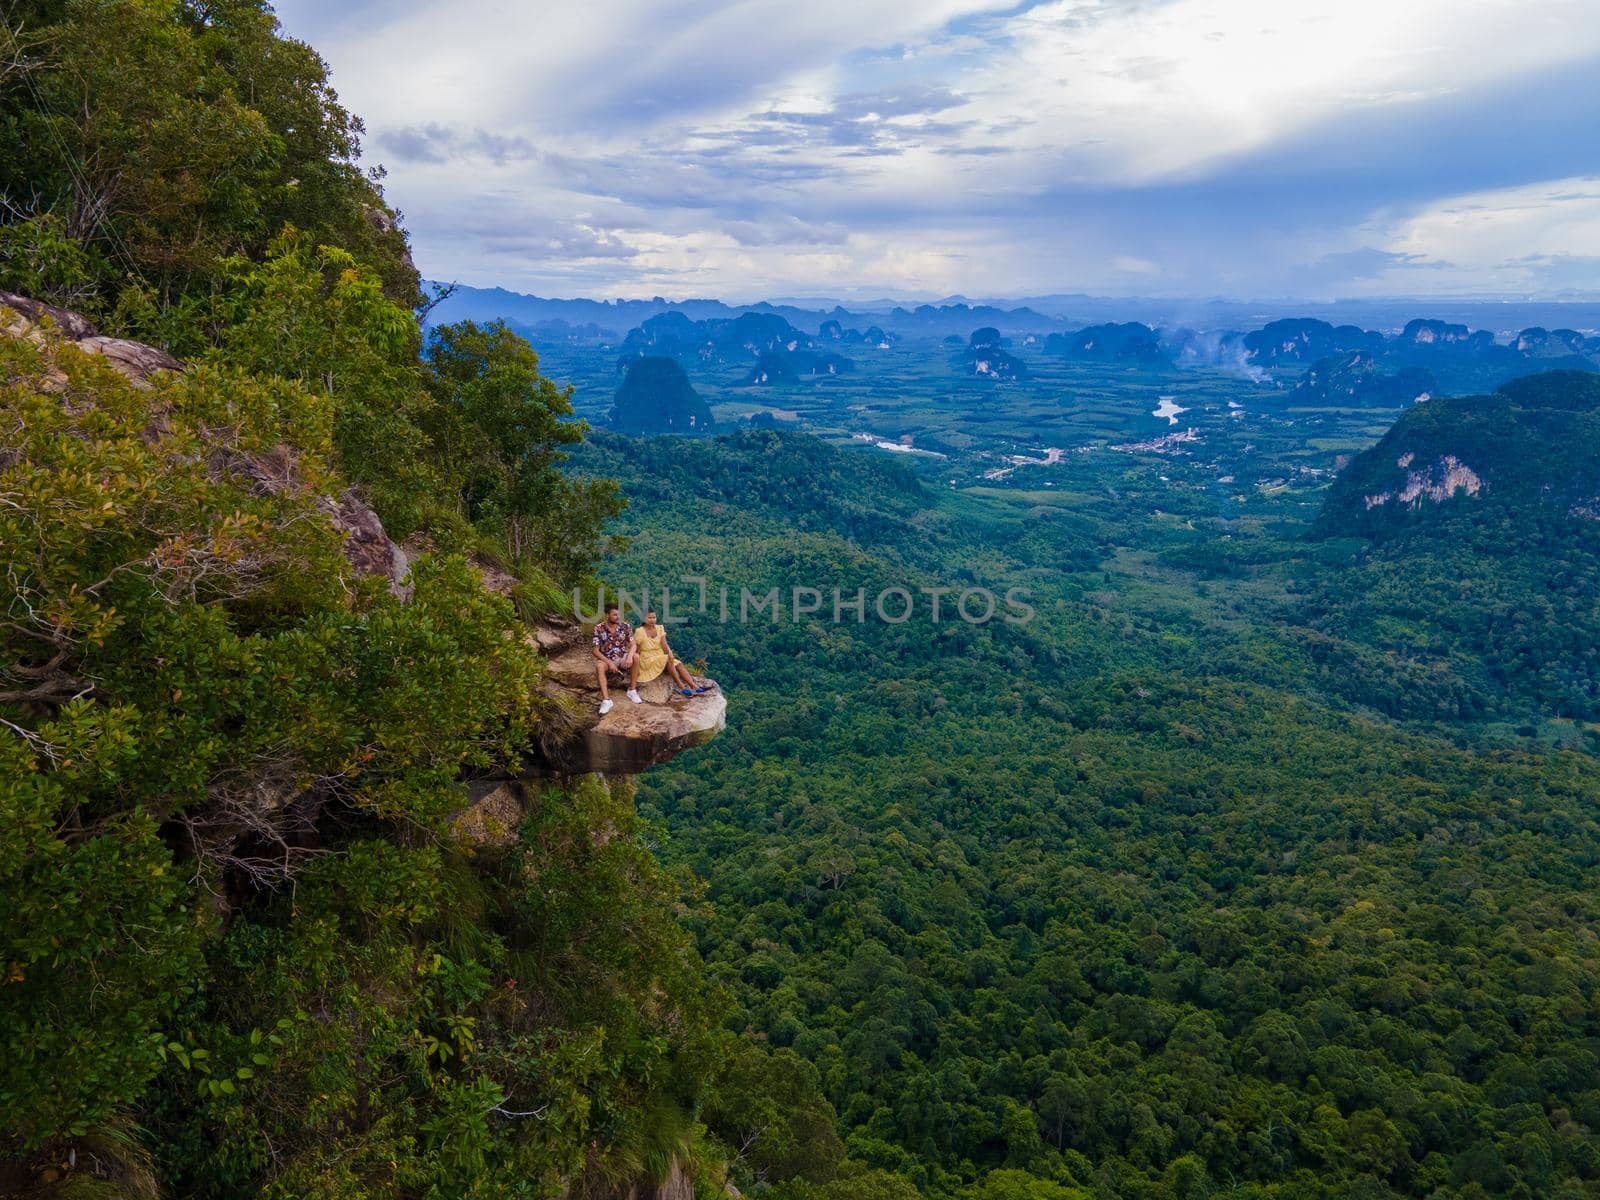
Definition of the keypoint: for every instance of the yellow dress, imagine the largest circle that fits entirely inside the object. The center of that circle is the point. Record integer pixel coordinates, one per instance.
(652, 653)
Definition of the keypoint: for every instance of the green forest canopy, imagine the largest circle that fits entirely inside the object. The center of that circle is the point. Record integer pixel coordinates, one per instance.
(1113, 906)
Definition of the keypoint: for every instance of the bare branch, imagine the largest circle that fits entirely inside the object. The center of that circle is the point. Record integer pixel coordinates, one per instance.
(441, 293)
(35, 743)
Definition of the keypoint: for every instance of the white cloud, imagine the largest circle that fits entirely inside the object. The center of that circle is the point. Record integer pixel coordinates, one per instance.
(568, 68)
(947, 145)
(1502, 240)
(1134, 93)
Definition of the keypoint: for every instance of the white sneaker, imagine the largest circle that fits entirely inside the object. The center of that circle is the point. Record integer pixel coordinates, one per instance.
(605, 705)
(634, 696)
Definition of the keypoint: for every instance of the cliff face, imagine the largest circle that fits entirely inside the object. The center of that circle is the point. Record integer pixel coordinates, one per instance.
(575, 739)
(222, 588)
(630, 738)
(1529, 449)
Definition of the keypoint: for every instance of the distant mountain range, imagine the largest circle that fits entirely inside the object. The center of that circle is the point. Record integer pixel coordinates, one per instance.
(1340, 364)
(559, 319)
(782, 353)
(538, 317)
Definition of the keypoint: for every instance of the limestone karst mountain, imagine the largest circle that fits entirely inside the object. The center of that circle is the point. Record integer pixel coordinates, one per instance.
(655, 396)
(1358, 378)
(763, 338)
(986, 356)
(1529, 451)
(1130, 342)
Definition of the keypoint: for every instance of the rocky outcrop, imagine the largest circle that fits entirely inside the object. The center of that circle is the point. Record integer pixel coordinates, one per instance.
(1424, 332)
(1434, 484)
(69, 325)
(677, 1184)
(33, 320)
(985, 356)
(384, 224)
(367, 547)
(741, 339)
(495, 807)
(631, 737)
(1516, 458)
(576, 740)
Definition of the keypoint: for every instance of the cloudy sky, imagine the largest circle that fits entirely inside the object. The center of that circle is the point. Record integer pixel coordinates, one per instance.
(917, 148)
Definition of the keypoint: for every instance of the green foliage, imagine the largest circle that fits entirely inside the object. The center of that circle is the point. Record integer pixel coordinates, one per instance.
(229, 764)
(1126, 903)
(244, 954)
(767, 1109)
(98, 947)
(1118, 907)
(801, 482)
(1484, 603)
(499, 428)
(1531, 445)
(127, 549)
(165, 138)
(314, 317)
(38, 257)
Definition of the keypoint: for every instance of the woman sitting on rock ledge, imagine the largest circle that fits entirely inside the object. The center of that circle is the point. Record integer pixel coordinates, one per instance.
(652, 654)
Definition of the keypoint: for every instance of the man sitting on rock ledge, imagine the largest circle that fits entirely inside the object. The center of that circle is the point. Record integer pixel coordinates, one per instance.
(613, 652)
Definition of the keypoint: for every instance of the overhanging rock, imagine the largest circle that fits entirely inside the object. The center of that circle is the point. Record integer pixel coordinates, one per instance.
(630, 738)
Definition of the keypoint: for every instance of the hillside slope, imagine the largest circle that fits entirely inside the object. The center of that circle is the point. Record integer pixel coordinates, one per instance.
(1529, 451)
(1484, 517)
(300, 900)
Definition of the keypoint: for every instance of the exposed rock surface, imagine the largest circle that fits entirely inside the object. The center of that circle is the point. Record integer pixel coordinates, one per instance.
(1435, 484)
(135, 360)
(986, 358)
(384, 224)
(678, 1184)
(1524, 453)
(367, 548)
(71, 325)
(495, 808)
(631, 737)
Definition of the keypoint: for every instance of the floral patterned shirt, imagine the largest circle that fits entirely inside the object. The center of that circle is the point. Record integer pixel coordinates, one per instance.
(614, 641)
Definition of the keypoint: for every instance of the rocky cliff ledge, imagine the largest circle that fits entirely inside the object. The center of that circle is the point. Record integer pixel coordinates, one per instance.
(629, 739)
(578, 741)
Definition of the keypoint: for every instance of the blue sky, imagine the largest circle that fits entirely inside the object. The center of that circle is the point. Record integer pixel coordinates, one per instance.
(1246, 148)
